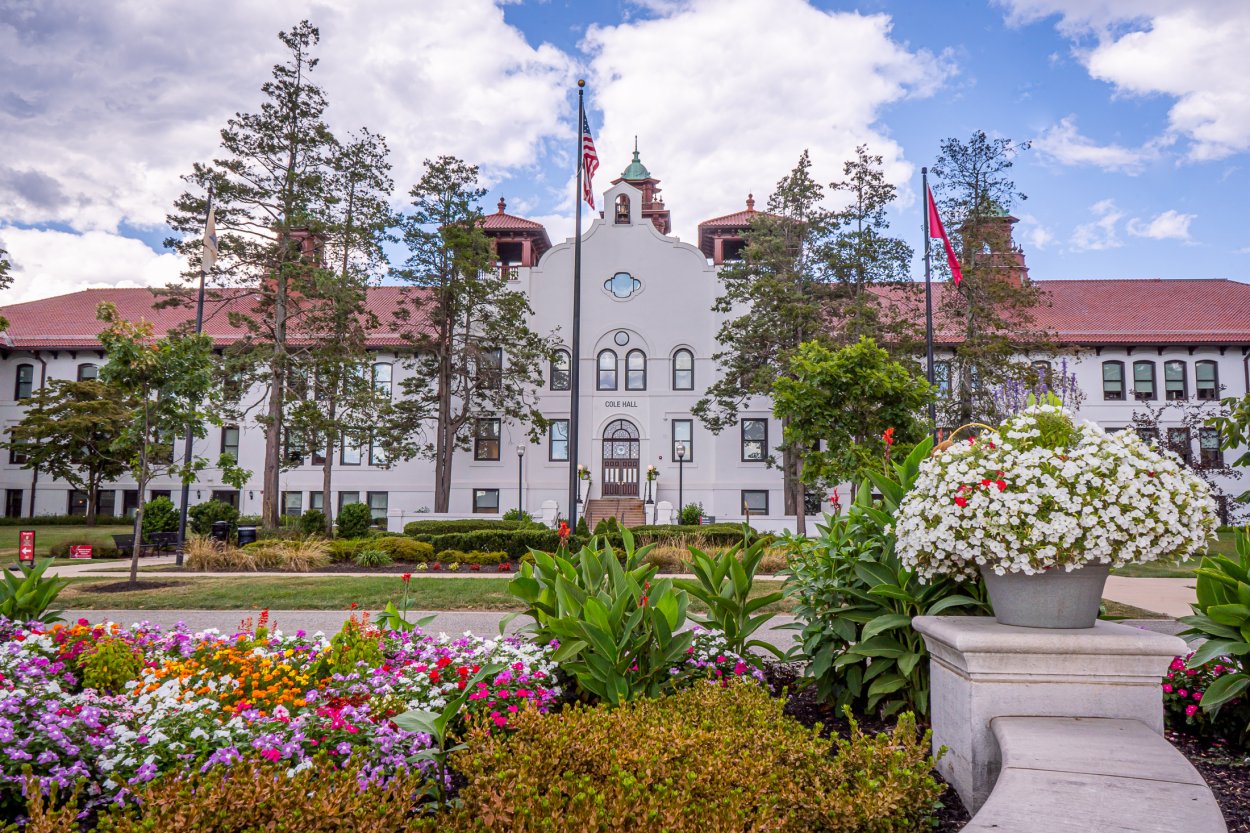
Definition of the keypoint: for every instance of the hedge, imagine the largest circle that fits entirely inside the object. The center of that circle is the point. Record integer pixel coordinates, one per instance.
(62, 520)
(435, 527)
(514, 542)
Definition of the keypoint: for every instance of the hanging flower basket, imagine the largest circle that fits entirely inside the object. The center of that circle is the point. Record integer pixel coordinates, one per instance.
(1044, 498)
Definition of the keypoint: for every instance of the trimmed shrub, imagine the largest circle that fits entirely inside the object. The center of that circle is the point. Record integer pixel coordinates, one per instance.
(433, 527)
(607, 526)
(313, 522)
(486, 559)
(514, 542)
(354, 521)
(159, 515)
(203, 515)
(582, 529)
(731, 761)
(345, 549)
(60, 520)
(251, 520)
(402, 549)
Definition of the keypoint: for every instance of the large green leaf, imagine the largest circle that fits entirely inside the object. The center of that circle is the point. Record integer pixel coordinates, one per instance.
(1224, 689)
(884, 623)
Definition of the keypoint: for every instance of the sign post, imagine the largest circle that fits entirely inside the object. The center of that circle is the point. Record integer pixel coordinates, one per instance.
(26, 547)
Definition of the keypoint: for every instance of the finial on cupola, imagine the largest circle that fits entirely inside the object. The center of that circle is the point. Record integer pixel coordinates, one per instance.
(750, 202)
(502, 205)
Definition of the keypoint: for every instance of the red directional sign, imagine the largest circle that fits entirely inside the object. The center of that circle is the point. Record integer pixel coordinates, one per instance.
(80, 551)
(26, 545)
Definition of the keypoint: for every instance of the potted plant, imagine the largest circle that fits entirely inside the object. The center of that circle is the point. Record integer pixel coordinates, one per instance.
(1043, 507)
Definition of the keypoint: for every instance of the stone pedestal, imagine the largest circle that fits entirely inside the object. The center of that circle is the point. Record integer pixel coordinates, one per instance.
(982, 670)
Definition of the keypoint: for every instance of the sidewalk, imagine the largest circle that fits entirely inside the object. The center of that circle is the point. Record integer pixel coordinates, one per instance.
(1169, 596)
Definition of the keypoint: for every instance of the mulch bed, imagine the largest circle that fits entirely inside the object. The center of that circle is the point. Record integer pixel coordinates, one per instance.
(1226, 771)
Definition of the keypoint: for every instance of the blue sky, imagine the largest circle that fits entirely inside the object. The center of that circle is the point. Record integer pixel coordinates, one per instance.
(1139, 127)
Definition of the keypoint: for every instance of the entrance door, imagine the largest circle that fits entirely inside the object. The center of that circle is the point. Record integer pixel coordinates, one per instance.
(621, 451)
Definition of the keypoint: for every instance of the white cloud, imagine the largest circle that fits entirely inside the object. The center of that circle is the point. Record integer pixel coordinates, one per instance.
(1101, 233)
(1194, 53)
(723, 100)
(48, 263)
(1064, 143)
(1170, 225)
(1032, 232)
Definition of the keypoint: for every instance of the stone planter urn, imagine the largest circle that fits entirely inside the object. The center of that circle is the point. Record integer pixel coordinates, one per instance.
(1057, 598)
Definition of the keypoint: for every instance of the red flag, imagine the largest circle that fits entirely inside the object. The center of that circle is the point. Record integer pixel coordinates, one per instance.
(590, 162)
(936, 230)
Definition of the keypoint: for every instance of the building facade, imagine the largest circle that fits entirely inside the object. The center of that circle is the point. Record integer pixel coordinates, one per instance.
(647, 341)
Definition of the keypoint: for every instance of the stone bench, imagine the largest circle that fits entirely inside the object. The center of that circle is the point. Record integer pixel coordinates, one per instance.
(1077, 774)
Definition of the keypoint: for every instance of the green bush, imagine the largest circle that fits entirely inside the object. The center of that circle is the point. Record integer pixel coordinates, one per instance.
(59, 520)
(61, 550)
(373, 558)
(204, 515)
(109, 663)
(345, 549)
(514, 542)
(402, 549)
(434, 527)
(250, 520)
(711, 758)
(28, 596)
(486, 559)
(607, 526)
(519, 515)
(313, 522)
(159, 515)
(582, 529)
(855, 602)
(690, 514)
(354, 521)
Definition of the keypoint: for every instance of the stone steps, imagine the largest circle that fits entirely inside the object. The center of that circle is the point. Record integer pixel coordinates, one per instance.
(627, 511)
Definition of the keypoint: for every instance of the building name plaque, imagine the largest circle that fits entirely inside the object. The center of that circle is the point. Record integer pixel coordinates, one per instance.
(621, 403)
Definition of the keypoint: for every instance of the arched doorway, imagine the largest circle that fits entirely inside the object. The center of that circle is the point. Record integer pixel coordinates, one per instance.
(621, 452)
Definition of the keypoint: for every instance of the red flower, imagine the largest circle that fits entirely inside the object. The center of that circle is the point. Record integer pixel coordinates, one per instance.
(407, 577)
(643, 602)
(985, 482)
(888, 436)
(564, 531)
(1001, 484)
(961, 501)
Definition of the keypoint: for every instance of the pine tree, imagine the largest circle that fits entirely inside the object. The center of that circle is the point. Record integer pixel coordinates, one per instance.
(993, 312)
(476, 356)
(272, 188)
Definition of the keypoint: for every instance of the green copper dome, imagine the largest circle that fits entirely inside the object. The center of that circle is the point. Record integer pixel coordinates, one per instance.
(636, 170)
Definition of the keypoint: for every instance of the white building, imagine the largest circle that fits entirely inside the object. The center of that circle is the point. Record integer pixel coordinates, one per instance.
(648, 337)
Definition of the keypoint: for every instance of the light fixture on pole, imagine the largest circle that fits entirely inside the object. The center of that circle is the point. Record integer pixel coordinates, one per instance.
(581, 475)
(520, 457)
(652, 474)
(681, 478)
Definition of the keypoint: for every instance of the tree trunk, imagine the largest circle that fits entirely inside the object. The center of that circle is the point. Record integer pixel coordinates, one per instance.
(93, 494)
(270, 496)
(142, 481)
(445, 446)
(326, 469)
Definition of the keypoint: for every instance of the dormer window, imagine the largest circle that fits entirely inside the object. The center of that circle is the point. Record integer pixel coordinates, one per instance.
(622, 210)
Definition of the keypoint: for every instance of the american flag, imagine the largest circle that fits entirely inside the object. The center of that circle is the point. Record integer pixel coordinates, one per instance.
(590, 161)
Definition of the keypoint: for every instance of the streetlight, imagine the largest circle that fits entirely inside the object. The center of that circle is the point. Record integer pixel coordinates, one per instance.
(520, 503)
(581, 475)
(652, 474)
(681, 479)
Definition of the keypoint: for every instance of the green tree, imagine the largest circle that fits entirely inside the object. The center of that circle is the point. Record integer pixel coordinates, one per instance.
(838, 404)
(6, 280)
(861, 255)
(476, 356)
(272, 188)
(73, 431)
(167, 385)
(993, 313)
(776, 298)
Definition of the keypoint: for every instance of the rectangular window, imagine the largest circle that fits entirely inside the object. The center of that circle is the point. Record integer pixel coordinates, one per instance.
(486, 439)
(490, 368)
(106, 502)
(226, 496)
(77, 503)
(1209, 448)
(347, 498)
(295, 449)
(683, 432)
(153, 494)
(560, 376)
(1174, 382)
(942, 378)
(1149, 434)
(318, 455)
(230, 441)
(130, 500)
(558, 441)
(25, 383)
(755, 501)
(1144, 380)
(377, 453)
(316, 501)
(1113, 380)
(349, 451)
(17, 457)
(12, 503)
(1207, 374)
(382, 379)
(754, 440)
(379, 502)
(486, 501)
(293, 504)
(1178, 442)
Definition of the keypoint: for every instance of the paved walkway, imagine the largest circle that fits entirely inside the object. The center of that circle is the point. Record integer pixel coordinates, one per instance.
(1169, 596)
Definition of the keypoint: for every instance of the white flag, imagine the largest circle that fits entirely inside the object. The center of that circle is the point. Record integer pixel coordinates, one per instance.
(210, 241)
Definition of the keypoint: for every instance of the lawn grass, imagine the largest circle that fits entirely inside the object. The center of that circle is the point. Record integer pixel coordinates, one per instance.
(1178, 569)
(1118, 610)
(48, 536)
(309, 593)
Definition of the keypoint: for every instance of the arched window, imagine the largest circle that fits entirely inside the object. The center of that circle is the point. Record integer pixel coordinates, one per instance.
(683, 370)
(1113, 380)
(1206, 373)
(25, 383)
(560, 370)
(635, 370)
(382, 378)
(622, 210)
(607, 370)
(87, 372)
(1144, 380)
(1175, 383)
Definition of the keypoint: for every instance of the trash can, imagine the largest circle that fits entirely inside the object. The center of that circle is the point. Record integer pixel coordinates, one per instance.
(247, 535)
(221, 531)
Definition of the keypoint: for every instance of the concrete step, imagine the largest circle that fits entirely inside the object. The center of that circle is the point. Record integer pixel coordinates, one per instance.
(628, 511)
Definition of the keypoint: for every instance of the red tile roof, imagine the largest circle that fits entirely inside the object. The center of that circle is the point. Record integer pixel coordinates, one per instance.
(69, 321)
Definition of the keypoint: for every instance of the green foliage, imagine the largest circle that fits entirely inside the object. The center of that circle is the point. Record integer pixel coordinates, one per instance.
(109, 663)
(354, 521)
(723, 583)
(855, 602)
(345, 549)
(159, 515)
(519, 515)
(373, 558)
(202, 516)
(582, 530)
(514, 542)
(836, 404)
(464, 525)
(28, 596)
(403, 549)
(53, 520)
(356, 642)
(607, 526)
(710, 758)
(620, 628)
(312, 522)
(1233, 423)
(1221, 617)
(690, 514)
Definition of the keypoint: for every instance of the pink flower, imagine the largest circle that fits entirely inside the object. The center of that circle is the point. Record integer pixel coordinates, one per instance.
(270, 754)
(740, 668)
(1191, 710)
(1167, 688)
(1197, 695)
(1182, 692)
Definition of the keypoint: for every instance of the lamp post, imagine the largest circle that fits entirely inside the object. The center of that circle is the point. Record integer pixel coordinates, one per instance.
(652, 474)
(681, 478)
(520, 458)
(581, 475)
